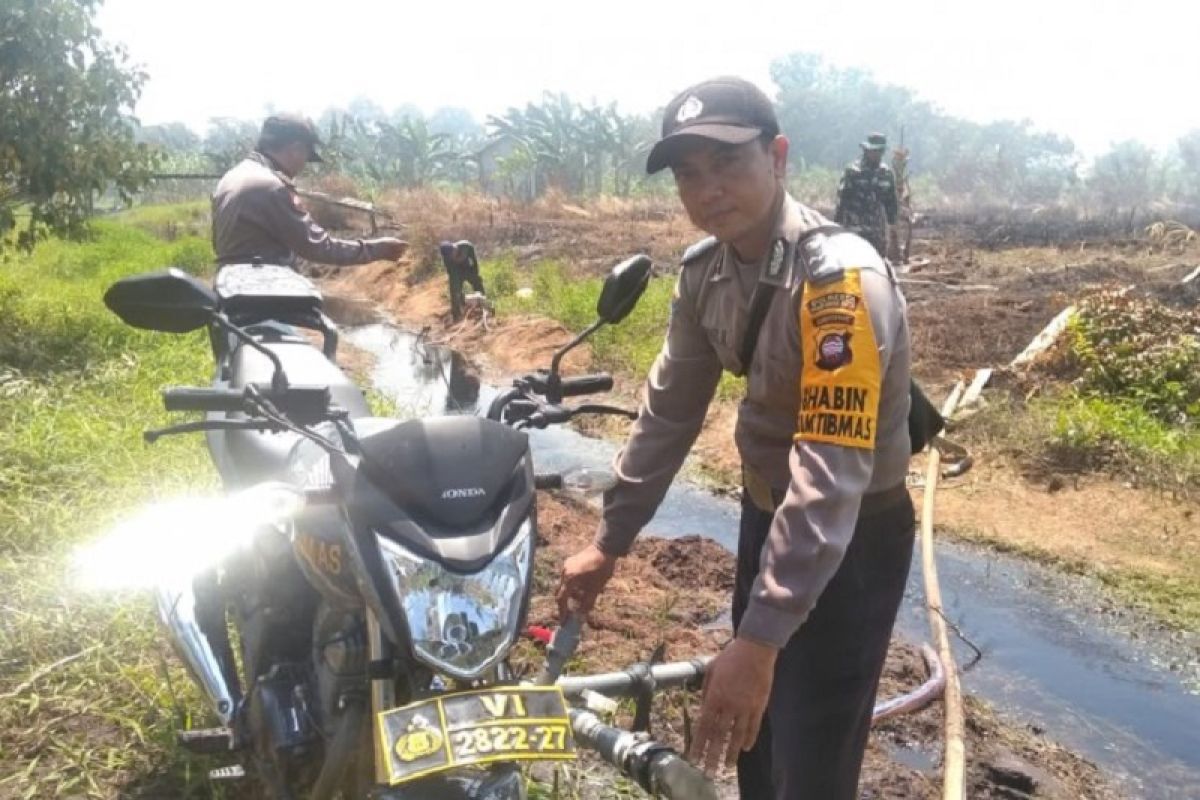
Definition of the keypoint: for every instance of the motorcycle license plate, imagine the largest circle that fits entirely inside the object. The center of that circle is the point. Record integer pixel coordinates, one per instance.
(503, 723)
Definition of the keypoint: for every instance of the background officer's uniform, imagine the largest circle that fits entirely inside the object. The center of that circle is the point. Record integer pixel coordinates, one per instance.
(461, 265)
(867, 201)
(823, 436)
(257, 214)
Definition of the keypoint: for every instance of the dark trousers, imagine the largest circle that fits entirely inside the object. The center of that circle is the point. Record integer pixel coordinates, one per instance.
(811, 743)
(457, 277)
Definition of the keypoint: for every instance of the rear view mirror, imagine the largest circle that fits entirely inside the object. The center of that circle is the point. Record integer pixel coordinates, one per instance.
(170, 301)
(622, 289)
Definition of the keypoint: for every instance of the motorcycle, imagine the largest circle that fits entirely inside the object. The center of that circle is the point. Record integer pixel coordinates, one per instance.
(388, 566)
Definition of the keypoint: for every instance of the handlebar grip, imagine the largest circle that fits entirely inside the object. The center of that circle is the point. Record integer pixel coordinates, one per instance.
(302, 404)
(188, 398)
(548, 480)
(587, 384)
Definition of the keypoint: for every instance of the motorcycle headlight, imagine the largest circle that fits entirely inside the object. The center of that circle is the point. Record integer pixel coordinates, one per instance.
(461, 624)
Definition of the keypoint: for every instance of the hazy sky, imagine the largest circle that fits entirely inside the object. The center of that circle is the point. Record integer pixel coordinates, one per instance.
(1099, 71)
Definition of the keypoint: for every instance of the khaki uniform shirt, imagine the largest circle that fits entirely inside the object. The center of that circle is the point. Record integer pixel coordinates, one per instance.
(825, 418)
(257, 214)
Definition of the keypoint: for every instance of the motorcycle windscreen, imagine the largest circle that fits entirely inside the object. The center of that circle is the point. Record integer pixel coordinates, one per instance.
(447, 471)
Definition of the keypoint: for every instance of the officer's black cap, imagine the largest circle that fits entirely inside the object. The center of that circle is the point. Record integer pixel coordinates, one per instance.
(280, 130)
(728, 109)
(875, 141)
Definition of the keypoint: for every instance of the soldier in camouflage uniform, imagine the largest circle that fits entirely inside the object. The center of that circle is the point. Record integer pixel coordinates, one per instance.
(867, 195)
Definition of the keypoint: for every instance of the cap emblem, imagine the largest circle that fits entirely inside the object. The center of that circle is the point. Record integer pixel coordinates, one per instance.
(691, 108)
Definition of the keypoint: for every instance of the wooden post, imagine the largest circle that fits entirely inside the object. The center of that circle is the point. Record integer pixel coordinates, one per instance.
(954, 761)
(1043, 340)
(976, 388)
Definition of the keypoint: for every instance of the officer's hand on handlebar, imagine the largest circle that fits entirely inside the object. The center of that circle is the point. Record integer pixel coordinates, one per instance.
(584, 576)
(388, 248)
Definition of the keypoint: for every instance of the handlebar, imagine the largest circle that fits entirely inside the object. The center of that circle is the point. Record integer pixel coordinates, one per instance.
(547, 480)
(555, 387)
(587, 384)
(300, 403)
(190, 398)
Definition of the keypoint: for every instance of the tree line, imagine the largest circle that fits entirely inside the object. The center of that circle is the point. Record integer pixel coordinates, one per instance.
(68, 133)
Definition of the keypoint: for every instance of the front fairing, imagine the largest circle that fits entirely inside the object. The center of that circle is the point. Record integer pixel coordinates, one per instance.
(451, 596)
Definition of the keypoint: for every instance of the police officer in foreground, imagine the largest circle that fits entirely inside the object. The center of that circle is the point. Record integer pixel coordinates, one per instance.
(867, 201)
(461, 266)
(827, 525)
(257, 213)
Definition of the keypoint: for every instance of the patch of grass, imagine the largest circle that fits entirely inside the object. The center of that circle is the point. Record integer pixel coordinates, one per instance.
(629, 348)
(1099, 431)
(1141, 352)
(1070, 432)
(77, 389)
(171, 221)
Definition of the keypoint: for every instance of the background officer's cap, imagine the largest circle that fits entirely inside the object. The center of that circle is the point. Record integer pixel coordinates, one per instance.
(876, 141)
(281, 130)
(729, 110)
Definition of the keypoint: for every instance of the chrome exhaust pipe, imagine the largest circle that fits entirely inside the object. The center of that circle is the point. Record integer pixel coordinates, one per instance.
(177, 612)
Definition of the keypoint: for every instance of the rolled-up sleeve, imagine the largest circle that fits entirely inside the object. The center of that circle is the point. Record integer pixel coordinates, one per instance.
(833, 456)
(677, 394)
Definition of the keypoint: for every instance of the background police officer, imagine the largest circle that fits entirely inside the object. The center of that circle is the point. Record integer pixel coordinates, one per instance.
(461, 265)
(867, 196)
(827, 524)
(257, 213)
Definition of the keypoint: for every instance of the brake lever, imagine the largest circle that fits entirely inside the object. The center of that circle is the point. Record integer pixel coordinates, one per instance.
(592, 408)
(152, 436)
(546, 416)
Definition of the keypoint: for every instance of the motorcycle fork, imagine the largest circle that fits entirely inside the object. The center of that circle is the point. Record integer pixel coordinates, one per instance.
(383, 692)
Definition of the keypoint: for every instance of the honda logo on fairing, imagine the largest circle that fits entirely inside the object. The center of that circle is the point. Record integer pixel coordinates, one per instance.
(463, 494)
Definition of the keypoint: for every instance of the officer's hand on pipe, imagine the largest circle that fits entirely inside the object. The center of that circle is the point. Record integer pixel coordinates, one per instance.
(584, 576)
(388, 248)
(737, 685)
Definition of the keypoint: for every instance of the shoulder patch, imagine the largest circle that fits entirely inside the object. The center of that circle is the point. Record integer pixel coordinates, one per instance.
(827, 256)
(699, 249)
(840, 379)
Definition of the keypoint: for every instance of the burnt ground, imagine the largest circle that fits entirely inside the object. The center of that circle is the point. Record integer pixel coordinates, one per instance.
(985, 306)
(971, 305)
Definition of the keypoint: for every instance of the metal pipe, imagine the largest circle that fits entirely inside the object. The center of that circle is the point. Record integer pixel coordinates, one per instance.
(177, 611)
(683, 673)
(655, 767)
(627, 682)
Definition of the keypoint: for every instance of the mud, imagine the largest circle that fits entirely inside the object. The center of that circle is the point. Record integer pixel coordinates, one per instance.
(670, 590)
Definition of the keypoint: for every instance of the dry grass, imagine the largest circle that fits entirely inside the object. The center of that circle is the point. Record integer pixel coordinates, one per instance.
(588, 235)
